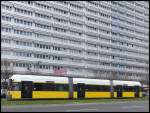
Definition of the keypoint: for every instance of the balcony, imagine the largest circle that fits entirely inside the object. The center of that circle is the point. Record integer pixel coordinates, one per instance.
(81, 3)
(75, 74)
(64, 34)
(129, 48)
(67, 53)
(59, 5)
(67, 44)
(95, 58)
(108, 28)
(10, 35)
(45, 61)
(106, 11)
(93, 7)
(87, 39)
(59, 14)
(6, 23)
(42, 20)
(137, 28)
(105, 59)
(22, 36)
(94, 24)
(76, 28)
(24, 70)
(33, 6)
(131, 41)
(123, 31)
(65, 63)
(129, 5)
(127, 55)
(46, 51)
(67, 35)
(105, 19)
(88, 31)
(75, 10)
(137, 71)
(78, 19)
(47, 31)
(105, 51)
(142, 37)
(107, 68)
(129, 63)
(104, 34)
(6, 45)
(92, 48)
(96, 16)
(140, 22)
(77, 37)
(92, 66)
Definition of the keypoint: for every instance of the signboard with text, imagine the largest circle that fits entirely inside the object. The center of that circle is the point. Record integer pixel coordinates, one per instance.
(60, 71)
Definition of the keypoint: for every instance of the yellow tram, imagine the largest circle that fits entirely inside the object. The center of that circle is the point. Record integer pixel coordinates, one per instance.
(50, 87)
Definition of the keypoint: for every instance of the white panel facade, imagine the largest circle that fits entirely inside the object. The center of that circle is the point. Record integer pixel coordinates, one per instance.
(97, 39)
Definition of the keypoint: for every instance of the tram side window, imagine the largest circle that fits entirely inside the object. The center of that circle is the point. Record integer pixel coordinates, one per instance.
(15, 87)
(93, 87)
(115, 88)
(127, 88)
(139, 88)
(97, 88)
(56, 87)
(50, 87)
(104, 88)
(38, 86)
(61, 87)
(130, 88)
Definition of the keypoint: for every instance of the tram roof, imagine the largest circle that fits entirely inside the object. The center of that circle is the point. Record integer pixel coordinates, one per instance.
(91, 81)
(38, 78)
(128, 83)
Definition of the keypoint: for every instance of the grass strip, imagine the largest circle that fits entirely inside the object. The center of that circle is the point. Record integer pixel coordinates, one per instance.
(5, 102)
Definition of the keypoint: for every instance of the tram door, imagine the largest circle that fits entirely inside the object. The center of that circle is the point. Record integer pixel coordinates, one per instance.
(81, 90)
(26, 91)
(136, 91)
(119, 90)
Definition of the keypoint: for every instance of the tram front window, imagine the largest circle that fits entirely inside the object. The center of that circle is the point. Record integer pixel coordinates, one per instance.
(15, 87)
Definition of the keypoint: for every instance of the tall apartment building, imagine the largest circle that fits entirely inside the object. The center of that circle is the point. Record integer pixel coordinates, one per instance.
(95, 39)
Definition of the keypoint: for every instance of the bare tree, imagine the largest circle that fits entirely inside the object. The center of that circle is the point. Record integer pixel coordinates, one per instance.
(6, 72)
(147, 75)
(36, 67)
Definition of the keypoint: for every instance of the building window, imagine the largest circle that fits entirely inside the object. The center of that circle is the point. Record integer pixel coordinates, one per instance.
(6, 18)
(6, 7)
(5, 40)
(5, 29)
(26, 12)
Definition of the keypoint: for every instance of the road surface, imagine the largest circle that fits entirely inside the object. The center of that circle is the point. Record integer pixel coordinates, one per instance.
(135, 106)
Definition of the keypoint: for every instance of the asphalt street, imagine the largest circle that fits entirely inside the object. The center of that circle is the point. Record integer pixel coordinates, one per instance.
(135, 106)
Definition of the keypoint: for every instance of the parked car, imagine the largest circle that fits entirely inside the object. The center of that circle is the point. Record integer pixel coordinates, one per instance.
(145, 93)
(3, 93)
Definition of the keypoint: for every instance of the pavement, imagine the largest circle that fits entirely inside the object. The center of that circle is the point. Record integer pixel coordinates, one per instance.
(129, 106)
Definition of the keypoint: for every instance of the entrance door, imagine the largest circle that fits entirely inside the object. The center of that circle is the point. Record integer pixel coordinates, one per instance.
(81, 90)
(119, 90)
(26, 91)
(136, 91)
